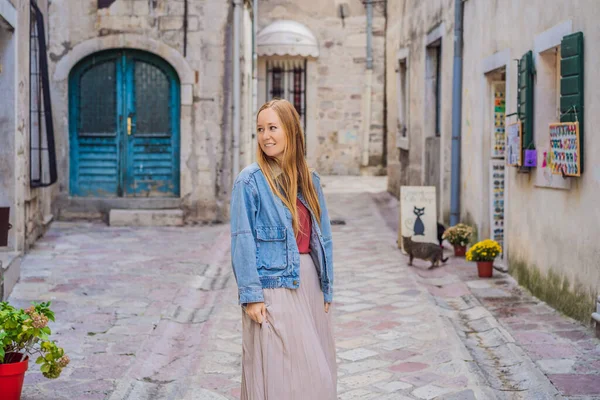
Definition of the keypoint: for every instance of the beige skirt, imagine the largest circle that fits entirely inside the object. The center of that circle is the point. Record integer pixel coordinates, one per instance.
(291, 355)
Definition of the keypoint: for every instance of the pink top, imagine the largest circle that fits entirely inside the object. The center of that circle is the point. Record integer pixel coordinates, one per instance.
(304, 222)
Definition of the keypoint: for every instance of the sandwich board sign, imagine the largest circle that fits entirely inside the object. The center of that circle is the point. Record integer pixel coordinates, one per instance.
(418, 214)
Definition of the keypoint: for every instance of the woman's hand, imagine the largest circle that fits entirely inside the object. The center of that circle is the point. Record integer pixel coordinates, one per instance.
(327, 307)
(257, 312)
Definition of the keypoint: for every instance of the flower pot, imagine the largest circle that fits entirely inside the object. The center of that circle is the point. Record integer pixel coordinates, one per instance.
(460, 251)
(11, 378)
(485, 269)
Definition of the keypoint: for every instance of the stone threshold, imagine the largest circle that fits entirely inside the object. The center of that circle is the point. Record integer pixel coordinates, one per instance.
(10, 270)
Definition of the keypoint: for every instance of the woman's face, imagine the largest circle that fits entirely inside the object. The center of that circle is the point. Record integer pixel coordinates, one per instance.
(271, 135)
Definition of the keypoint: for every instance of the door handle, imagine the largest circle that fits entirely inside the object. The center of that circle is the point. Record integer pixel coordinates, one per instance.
(128, 126)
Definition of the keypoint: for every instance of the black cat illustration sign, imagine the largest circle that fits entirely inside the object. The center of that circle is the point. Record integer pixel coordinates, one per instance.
(418, 214)
(419, 228)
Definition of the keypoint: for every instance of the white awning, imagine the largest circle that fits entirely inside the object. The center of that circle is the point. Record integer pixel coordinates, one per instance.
(287, 38)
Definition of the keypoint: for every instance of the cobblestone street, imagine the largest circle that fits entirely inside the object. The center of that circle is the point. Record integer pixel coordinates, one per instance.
(151, 313)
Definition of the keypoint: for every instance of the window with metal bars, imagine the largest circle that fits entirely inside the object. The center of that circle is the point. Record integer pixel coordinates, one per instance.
(41, 130)
(286, 79)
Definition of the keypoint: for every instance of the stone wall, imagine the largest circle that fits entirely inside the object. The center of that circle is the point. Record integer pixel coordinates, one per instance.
(338, 75)
(79, 28)
(412, 24)
(30, 208)
(8, 88)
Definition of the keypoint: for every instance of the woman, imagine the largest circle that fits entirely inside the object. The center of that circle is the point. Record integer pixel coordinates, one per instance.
(281, 254)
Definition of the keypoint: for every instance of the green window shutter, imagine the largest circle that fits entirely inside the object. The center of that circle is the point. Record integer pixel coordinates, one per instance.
(571, 83)
(525, 98)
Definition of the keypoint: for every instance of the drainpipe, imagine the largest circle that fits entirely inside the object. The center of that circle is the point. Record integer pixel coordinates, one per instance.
(368, 85)
(237, 12)
(456, 114)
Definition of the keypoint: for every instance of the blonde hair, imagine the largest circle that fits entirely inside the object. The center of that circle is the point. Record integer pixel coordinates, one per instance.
(295, 174)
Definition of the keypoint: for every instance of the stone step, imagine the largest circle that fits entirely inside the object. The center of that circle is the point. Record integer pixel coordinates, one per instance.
(10, 271)
(133, 217)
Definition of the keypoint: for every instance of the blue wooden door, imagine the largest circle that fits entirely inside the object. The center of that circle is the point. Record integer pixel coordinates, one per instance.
(124, 126)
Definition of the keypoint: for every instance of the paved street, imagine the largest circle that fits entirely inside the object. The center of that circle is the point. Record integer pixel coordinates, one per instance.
(151, 313)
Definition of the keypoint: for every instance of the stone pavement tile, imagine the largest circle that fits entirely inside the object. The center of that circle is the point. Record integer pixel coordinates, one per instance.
(204, 394)
(397, 344)
(397, 355)
(394, 396)
(435, 356)
(462, 395)
(385, 326)
(430, 392)
(574, 335)
(357, 354)
(475, 313)
(355, 307)
(365, 379)
(550, 350)
(393, 386)
(356, 342)
(454, 381)
(408, 367)
(421, 378)
(358, 394)
(556, 366)
(577, 385)
(449, 290)
(360, 366)
(535, 337)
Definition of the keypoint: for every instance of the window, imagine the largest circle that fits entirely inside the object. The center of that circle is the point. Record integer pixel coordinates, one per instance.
(286, 79)
(41, 131)
(438, 89)
(434, 84)
(525, 98)
(557, 82)
(402, 99)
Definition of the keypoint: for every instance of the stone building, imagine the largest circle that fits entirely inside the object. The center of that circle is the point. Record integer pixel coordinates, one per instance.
(120, 104)
(26, 168)
(321, 48)
(143, 111)
(527, 63)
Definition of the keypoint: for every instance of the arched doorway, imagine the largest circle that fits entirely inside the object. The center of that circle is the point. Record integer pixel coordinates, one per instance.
(124, 110)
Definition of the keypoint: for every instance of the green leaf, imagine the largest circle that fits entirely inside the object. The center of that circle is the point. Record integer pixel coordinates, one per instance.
(45, 368)
(49, 357)
(40, 360)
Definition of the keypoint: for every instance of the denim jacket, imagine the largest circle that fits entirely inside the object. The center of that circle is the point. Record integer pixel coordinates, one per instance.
(264, 252)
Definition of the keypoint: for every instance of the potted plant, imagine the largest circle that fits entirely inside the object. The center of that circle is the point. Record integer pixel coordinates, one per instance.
(459, 236)
(24, 333)
(484, 253)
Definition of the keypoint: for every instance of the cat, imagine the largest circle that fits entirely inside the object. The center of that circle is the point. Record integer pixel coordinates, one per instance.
(424, 251)
(440, 233)
(419, 228)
